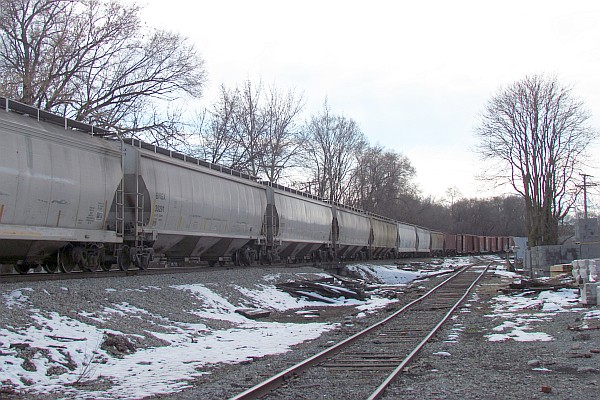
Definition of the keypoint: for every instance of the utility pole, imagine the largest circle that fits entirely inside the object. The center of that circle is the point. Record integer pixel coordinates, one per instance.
(585, 185)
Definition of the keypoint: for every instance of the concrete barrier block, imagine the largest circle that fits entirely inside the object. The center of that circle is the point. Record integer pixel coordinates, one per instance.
(589, 294)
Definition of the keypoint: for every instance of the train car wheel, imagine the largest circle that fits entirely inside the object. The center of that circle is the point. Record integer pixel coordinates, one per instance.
(105, 266)
(50, 267)
(123, 259)
(248, 256)
(330, 255)
(67, 267)
(266, 258)
(237, 258)
(79, 255)
(22, 268)
(65, 264)
(255, 258)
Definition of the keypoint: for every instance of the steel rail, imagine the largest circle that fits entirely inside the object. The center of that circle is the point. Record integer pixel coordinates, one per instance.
(379, 391)
(279, 379)
(35, 276)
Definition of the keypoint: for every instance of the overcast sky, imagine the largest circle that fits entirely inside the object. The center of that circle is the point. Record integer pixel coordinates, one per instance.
(413, 74)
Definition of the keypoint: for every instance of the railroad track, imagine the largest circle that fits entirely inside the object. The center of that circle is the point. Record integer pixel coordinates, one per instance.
(365, 364)
(155, 269)
(43, 276)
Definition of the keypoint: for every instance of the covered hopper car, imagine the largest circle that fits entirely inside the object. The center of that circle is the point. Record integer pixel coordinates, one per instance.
(73, 196)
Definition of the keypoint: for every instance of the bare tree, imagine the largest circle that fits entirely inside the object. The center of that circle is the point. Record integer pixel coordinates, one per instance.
(452, 194)
(251, 131)
(536, 130)
(250, 124)
(512, 216)
(380, 179)
(216, 131)
(333, 143)
(92, 61)
(426, 211)
(496, 216)
(282, 139)
(474, 216)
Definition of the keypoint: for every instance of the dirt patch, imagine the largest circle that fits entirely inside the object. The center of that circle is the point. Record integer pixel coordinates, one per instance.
(117, 345)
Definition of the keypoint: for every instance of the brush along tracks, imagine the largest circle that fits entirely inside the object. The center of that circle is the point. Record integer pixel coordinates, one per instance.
(365, 364)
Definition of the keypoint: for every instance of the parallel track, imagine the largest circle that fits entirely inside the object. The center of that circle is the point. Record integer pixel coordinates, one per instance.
(365, 364)
(13, 277)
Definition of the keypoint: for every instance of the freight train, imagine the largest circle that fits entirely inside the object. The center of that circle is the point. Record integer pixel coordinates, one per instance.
(73, 196)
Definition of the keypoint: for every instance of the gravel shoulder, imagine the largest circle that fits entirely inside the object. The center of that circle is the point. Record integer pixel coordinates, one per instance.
(461, 363)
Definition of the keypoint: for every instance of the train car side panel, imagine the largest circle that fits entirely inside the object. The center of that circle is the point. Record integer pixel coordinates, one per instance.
(354, 228)
(302, 219)
(214, 204)
(353, 232)
(437, 243)
(56, 187)
(385, 236)
(195, 211)
(424, 241)
(304, 226)
(407, 239)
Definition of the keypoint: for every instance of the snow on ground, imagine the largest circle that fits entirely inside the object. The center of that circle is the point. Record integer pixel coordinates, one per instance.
(594, 314)
(393, 275)
(59, 342)
(16, 298)
(270, 297)
(64, 350)
(517, 312)
(65, 341)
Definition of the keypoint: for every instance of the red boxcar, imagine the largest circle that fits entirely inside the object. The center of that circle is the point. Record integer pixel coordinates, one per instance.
(460, 244)
(492, 244)
(481, 244)
(450, 244)
(469, 244)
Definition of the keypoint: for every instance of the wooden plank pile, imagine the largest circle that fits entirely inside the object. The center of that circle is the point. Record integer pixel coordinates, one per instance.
(539, 285)
(328, 290)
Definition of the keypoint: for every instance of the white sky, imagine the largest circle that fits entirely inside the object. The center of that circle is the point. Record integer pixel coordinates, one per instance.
(414, 75)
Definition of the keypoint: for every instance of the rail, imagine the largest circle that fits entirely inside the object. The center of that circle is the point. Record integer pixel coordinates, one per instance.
(330, 353)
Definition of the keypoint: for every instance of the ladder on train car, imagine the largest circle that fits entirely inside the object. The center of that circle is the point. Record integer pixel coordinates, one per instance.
(120, 199)
(139, 219)
(120, 211)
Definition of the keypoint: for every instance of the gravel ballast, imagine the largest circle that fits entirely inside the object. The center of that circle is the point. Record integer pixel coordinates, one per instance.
(461, 362)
